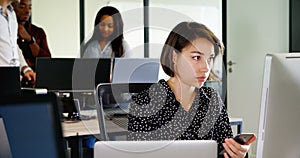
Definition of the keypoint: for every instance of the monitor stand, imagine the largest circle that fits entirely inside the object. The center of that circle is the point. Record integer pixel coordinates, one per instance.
(68, 106)
(72, 106)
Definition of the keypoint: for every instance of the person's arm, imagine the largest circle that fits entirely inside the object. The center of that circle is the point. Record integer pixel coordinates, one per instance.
(127, 51)
(43, 44)
(224, 133)
(25, 69)
(38, 44)
(21, 59)
(234, 149)
(92, 50)
(34, 47)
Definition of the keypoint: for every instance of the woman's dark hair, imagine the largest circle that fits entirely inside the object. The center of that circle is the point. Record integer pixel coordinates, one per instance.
(183, 35)
(116, 37)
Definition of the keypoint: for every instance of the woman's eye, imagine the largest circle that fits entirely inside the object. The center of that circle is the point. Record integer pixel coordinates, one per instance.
(196, 57)
(210, 59)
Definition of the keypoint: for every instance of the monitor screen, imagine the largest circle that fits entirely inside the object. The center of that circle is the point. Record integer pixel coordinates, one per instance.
(10, 80)
(135, 70)
(294, 24)
(279, 127)
(71, 74)
(32, 126)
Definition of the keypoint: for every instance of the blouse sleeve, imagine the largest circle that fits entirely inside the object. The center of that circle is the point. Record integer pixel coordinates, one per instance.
(222, 128)
(91, 51)
(127, 51)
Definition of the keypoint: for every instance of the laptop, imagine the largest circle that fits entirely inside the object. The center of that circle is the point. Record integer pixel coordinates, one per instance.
(156, 149)
(10, 81)
(135, 70)
(30, 127)
(72, 74)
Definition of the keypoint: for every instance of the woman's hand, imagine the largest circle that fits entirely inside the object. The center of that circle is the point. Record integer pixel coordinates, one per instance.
(234, 149)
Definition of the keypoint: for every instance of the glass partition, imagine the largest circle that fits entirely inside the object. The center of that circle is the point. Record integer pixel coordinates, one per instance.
(147, 24)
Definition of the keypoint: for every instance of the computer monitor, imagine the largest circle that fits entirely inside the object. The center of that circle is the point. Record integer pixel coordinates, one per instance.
(156, 149)
(135, 70)
(72, 74)
(279, 127)
(32, 126)
(10, 80)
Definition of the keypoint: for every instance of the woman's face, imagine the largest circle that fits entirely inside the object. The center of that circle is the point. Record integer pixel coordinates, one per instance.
(106, 26)
(192, 66)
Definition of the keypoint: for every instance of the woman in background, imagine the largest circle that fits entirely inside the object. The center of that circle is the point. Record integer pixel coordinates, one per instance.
(107, 40)
(181, 108)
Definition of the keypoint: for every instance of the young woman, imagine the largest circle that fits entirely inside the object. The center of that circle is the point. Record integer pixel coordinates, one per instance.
(107, 40)
(181, 108)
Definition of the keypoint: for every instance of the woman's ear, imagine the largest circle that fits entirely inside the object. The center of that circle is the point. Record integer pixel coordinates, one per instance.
(174, 57)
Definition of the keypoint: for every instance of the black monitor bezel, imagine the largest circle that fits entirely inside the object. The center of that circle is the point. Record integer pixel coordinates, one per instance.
(69, 85)
(43, 98)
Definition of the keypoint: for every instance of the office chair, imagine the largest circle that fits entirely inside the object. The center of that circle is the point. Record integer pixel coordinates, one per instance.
(113, 107)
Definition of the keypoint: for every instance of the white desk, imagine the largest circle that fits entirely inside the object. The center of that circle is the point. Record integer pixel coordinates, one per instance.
(90, 127)
(76, 131)
(81, 128)
(87, 127)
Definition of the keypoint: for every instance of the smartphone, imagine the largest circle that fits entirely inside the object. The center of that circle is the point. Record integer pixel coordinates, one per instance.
(243, 139)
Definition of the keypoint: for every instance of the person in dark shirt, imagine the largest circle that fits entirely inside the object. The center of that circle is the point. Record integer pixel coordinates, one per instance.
(181, 108)
(31, 39)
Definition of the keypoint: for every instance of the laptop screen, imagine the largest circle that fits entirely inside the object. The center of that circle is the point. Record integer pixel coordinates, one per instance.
(71, 74)
(135, 70)
(32, 126)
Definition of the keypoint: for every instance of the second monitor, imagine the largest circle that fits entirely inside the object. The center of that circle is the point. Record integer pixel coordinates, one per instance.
(135, 70)
(71, 74)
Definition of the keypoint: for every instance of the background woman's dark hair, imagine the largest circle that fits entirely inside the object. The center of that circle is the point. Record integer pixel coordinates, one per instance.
(183, 35)
(116, 37)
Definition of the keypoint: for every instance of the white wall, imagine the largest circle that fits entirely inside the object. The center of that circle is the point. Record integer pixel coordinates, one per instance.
(254, 28)
(60, 20)
(170, 14)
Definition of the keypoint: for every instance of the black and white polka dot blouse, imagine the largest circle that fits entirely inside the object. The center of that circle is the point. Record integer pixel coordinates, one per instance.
(155, 114)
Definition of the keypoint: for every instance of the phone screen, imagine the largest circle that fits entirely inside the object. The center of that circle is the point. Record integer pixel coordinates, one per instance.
(245, 138)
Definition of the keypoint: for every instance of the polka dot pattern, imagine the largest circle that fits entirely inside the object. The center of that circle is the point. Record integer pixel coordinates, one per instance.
(155, 114)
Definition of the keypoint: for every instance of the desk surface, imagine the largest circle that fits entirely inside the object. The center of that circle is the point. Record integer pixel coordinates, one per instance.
(235, 119)
(87, 127)
(90, 127)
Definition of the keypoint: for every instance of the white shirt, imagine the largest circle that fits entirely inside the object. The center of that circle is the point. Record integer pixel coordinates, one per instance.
(10, 53)
(94, 51)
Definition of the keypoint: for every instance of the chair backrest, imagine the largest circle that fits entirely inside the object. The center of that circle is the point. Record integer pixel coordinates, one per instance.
(113, 106)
